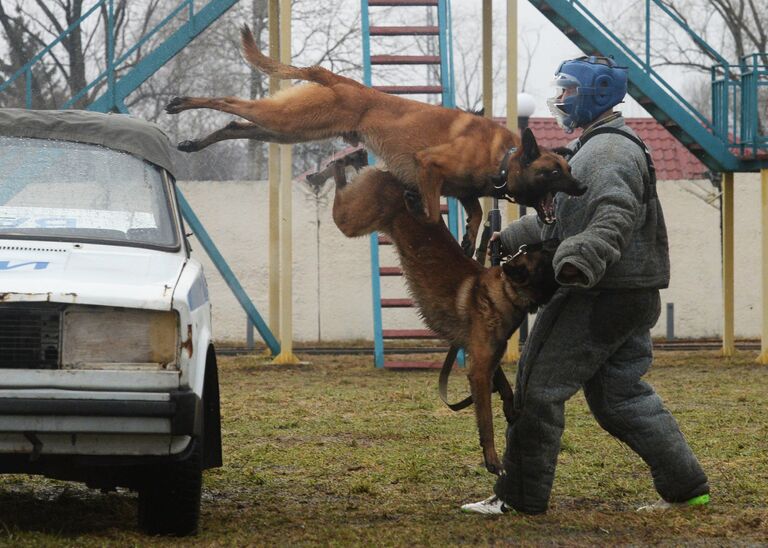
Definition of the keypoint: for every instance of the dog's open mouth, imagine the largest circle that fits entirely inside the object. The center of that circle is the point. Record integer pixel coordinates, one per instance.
(546, 208)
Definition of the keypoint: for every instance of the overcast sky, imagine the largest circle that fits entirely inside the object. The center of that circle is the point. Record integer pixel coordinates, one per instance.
(553, 47)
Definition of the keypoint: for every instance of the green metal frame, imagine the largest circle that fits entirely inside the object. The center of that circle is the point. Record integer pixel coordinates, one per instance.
(707, 138)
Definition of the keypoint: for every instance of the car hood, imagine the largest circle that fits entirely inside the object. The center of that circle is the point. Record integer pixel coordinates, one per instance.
(93, 274)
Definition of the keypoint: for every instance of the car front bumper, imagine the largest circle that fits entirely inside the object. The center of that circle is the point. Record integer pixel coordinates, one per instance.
(62, 411)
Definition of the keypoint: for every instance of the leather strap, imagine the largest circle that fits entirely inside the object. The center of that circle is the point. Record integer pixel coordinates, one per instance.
(500, 179)
(649, 190)
(500, 382)
(445, 372)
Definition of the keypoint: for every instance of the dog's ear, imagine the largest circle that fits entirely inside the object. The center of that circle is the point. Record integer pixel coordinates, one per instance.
(517, 273)
(530, 147)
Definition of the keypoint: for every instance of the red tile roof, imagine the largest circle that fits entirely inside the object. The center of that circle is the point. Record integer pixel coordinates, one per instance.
(672, 160)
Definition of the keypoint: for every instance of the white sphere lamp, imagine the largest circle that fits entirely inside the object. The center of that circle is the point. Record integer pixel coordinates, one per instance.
(526, 105)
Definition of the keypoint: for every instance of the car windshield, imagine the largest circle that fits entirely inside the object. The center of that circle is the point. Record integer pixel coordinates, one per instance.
(73, 191)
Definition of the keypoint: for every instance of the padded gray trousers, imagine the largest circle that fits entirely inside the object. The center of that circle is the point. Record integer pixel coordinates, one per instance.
(600, 341)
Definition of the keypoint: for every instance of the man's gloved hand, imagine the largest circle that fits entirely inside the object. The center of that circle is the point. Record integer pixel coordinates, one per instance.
(495, 236)
(570, 274)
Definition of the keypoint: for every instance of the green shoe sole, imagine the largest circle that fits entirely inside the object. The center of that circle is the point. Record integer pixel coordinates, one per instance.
(701, 500)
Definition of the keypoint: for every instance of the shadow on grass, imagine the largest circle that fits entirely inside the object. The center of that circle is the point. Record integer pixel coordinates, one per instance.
(64, 510)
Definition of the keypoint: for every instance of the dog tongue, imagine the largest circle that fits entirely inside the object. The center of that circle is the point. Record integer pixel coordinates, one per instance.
(547, 209)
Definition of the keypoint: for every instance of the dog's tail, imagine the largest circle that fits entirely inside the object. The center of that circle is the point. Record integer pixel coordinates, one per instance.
(272, 67)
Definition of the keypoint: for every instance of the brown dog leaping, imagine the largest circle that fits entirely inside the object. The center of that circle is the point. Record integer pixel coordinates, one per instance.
(469, 305)
(435, 149)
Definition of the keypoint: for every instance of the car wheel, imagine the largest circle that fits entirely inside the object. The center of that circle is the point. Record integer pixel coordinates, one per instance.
(169, 497)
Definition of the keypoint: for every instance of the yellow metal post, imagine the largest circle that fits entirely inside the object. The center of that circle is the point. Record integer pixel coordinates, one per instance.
(513, 346)
(286, 218)
(274, 184)
(487, 75)
(727, 214)
(763, 358)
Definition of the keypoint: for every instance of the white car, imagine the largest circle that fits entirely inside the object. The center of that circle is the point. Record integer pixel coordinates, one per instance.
(107, 368)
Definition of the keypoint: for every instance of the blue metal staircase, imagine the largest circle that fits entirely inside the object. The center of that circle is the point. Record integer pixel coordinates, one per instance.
(726, 141)
(415, 10)
(119, 85)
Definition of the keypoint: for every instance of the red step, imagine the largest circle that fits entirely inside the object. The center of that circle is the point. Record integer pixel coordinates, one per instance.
(412, 365)
(405, 59)
(390, 271)
(429, 30)
(397, 303)
(402, 90)
(372, 3)
(409, 334)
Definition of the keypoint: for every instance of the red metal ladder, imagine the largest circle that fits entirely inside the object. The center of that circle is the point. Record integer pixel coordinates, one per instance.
(446, 89)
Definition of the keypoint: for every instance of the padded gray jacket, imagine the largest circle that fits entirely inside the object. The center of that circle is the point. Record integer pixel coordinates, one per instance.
(615, 233)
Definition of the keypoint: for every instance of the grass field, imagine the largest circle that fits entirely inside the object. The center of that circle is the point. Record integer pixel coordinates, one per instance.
(339, 453)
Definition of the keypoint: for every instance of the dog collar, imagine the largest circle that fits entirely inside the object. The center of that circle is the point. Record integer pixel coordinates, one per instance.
(500, 180)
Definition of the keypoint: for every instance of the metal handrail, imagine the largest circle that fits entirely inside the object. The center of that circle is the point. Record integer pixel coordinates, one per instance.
(646, 65)
(28, 65)
(143, 40)
(112, 63)
(754, 75)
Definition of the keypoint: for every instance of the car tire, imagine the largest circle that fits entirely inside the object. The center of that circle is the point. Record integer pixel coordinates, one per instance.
(169, 498)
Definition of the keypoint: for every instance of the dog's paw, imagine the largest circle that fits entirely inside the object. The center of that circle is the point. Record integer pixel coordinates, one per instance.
(176, 105)
(339, 173)
(413, 203)
(467, 245)
(496, 469)
(188, 146)
(492, 463)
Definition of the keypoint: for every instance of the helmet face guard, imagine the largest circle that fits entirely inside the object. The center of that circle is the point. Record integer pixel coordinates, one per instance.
(599, 84)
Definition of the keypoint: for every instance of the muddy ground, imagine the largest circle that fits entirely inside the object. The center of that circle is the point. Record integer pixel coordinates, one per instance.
(339, 453)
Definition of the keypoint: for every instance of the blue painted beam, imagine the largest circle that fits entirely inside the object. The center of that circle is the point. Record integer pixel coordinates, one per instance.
(162, 54)
(226, 272)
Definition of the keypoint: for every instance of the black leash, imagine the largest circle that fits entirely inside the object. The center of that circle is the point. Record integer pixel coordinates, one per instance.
(499, 180)
(500, 382)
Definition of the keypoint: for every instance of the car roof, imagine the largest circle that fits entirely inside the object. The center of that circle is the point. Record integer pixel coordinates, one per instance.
(116, 131)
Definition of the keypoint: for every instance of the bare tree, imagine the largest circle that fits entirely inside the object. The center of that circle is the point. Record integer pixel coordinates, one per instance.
(735, 27)
(30, 26)
(530, 40)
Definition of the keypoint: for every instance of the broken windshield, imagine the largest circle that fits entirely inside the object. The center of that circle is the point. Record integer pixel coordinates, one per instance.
(73, 191)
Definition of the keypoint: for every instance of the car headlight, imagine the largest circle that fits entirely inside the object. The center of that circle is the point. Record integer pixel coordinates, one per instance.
(103, 338)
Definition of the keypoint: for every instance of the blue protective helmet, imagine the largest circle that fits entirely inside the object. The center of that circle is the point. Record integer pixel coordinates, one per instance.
(600, 84)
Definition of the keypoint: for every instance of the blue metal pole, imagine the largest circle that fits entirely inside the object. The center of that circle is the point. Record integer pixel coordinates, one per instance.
(226, 272)
(111, 54)
(366, 42)
(647, 34)
(452, 80)
(378, 330)
(191, 16)
(28, 88)
(445, 73)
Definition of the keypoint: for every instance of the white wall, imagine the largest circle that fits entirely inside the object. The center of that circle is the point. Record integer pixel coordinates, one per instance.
(331, 274)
